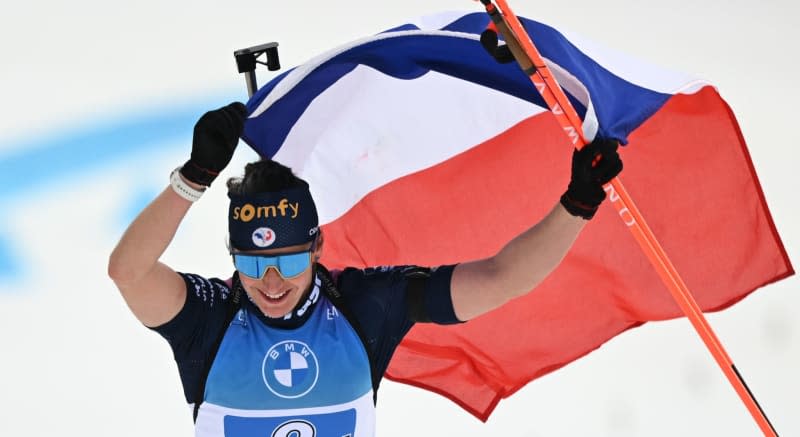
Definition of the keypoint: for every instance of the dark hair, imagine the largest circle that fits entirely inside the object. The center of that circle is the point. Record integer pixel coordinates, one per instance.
(264, 176)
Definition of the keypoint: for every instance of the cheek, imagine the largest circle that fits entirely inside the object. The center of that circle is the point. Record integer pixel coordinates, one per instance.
(303, 281)
(250, 285)
(245, 280)
(247, 284)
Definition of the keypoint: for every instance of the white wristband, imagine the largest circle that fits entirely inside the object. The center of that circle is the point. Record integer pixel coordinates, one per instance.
(182, 188)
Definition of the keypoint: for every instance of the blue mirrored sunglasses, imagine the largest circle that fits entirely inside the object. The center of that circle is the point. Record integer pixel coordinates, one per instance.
(288, 265)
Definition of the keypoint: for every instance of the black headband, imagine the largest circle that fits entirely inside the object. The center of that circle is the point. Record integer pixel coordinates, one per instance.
(272, 220)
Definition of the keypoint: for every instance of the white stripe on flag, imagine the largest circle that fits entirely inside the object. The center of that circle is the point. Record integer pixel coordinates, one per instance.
(303, 70)
(353, 139)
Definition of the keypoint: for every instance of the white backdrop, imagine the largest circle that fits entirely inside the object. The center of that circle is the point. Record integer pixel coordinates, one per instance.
(81, 81)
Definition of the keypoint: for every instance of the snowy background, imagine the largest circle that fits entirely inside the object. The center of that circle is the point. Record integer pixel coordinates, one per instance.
(99, 99)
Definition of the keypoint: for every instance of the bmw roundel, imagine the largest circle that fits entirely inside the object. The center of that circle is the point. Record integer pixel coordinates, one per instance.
(290, 369)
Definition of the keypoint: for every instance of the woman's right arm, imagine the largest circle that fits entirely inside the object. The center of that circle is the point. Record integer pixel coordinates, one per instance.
(153, 291)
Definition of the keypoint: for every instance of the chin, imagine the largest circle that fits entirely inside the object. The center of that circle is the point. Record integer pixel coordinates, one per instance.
(275, 313)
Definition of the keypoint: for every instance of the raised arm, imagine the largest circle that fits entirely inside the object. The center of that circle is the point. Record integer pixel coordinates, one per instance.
(153, 291)
(481, 286)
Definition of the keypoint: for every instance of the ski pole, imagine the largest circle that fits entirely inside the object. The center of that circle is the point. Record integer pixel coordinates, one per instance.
(532, 63)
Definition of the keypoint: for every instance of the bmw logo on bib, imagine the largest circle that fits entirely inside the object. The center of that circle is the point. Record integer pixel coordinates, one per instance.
(290, 369)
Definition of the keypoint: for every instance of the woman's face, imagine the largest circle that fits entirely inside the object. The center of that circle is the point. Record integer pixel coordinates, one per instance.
(275, 295)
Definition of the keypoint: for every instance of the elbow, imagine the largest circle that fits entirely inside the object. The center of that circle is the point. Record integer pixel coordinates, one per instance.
(119, 271)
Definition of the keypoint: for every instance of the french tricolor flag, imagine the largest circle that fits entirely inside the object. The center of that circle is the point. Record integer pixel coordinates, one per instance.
(421, 149)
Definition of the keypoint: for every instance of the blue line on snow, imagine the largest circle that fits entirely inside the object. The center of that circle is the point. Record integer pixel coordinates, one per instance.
(8, 261)
(55, 157)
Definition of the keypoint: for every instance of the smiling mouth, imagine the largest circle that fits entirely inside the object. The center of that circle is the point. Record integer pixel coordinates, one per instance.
(275, 297)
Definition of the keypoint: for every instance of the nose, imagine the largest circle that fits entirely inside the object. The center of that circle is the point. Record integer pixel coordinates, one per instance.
(272, 280)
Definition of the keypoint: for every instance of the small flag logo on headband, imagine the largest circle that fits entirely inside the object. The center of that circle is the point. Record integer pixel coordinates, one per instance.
(263, 237)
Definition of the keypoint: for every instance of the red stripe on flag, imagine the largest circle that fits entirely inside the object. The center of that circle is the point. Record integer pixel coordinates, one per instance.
(690, 174)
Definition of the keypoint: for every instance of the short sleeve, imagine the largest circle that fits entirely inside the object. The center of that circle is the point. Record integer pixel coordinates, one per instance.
(437, 297)
(193, 331)
(377, 298)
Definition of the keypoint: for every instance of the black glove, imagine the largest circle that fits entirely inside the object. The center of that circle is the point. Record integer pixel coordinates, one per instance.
(592, 167)
(216, 135)
(501, 54)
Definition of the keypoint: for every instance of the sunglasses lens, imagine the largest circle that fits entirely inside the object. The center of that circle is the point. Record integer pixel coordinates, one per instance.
(294, 264)
(247, 265)
(288, 266)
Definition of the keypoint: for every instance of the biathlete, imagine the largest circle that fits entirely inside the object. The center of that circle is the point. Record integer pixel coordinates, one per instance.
(285, 347)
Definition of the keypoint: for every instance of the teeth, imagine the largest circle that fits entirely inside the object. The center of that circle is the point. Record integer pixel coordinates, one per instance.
(276, 296)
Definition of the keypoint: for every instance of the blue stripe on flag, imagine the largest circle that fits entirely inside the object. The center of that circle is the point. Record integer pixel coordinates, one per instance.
(620, 106)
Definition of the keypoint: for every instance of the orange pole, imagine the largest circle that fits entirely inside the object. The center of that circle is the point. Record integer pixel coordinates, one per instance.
(534, 66)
